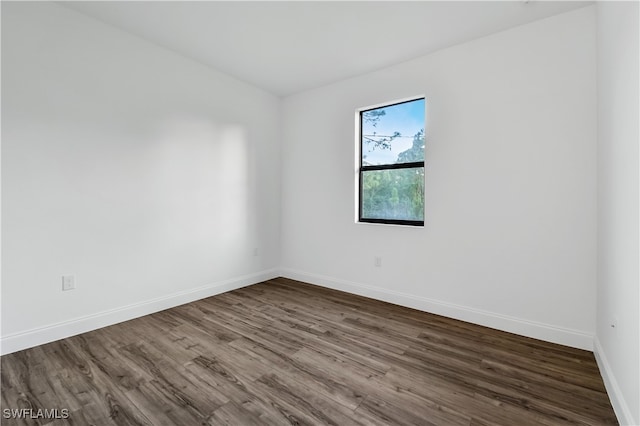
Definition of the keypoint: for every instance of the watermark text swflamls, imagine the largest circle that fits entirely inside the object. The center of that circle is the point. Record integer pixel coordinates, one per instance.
(30, 413)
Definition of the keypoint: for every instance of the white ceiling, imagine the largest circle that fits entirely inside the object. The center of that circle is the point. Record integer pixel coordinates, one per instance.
(288, 47)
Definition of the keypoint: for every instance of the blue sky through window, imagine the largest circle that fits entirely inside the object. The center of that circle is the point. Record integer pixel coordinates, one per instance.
(407, 118)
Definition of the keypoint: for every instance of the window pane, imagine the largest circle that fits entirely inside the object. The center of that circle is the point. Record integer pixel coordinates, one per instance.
(396, 194)
(393, 134)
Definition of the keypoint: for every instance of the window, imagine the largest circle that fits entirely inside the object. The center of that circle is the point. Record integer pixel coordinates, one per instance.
(391, 176)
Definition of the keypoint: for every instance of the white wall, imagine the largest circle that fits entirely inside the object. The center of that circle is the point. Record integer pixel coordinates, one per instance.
(618, 348)
(150, 177)
(510, 233)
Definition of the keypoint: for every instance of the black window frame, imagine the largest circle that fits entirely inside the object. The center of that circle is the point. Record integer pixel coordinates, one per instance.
(392, 166)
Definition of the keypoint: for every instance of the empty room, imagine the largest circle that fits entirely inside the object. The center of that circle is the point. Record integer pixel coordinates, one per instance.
(310, 213)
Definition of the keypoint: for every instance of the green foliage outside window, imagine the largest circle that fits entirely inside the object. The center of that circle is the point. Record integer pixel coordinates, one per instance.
(396, 194)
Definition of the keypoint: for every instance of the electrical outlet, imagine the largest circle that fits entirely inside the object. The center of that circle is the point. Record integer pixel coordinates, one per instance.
(68, 282)
(256, 252)
(377, 261)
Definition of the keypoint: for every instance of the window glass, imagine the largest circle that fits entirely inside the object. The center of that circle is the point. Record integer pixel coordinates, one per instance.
(392, 141)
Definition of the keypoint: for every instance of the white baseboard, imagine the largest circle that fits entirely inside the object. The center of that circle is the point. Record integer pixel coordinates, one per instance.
(620, 406)
(537, 330)
(38, 336)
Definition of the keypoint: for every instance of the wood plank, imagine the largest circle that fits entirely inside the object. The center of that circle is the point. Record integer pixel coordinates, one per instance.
(286, 352)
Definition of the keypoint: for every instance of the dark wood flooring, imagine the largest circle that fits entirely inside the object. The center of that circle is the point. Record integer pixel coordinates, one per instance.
(284, 352)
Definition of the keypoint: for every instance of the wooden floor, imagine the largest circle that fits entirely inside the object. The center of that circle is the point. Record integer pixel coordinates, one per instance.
(284, 352)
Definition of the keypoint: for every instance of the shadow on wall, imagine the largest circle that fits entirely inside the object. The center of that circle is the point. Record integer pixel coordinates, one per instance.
(202, 182)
